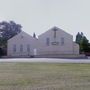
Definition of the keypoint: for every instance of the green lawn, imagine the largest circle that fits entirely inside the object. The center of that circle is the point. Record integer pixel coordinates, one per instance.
(44, 76)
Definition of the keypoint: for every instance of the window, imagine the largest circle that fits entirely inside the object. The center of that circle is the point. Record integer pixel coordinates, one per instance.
(14, 48)
(21, 48)
(47, 41)
(28, 48)
(62, 41)
(55, 43)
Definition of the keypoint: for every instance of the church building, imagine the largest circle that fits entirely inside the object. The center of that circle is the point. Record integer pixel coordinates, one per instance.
(57, 41)
(53, 42)
(21, 45)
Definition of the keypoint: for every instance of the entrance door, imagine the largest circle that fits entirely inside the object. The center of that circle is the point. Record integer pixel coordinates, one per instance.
(35, 52)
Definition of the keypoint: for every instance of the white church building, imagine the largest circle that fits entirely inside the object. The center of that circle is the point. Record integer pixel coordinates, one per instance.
(21, 45)
(53, 43)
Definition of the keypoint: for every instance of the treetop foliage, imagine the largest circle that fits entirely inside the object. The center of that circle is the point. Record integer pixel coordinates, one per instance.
(9, 29)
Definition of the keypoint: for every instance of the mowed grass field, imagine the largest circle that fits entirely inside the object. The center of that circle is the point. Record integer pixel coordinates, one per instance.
(44, 76)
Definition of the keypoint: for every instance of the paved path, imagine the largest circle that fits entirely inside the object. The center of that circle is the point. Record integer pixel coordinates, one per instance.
(46, 60)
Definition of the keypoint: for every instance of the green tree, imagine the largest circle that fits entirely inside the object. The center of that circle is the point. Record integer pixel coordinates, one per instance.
(83, 42)
(84, 45)
(78, 38)
(7, 31)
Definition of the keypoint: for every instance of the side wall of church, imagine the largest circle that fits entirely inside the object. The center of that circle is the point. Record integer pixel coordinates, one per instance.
(76, 48)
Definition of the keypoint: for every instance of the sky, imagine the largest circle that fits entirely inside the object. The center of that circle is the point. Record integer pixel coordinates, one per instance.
(38, 16)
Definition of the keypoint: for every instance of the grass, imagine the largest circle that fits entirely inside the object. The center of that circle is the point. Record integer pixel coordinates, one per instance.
(44, 76)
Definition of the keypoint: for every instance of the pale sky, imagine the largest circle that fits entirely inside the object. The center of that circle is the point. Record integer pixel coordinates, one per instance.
(40, 15)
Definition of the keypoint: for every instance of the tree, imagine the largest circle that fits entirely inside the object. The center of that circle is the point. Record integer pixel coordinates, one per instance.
(83, 42)
(7, 31)
(34, 35)
(1, 52)
(79, 37)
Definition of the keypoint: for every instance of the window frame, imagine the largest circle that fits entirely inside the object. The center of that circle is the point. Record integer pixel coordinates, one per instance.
(47, 41)
(62, 41)
(14, 48)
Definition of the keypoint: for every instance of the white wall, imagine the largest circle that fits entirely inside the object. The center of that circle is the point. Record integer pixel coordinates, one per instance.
(39, 47)
(67, 48)
(18, 40)
(76, 48)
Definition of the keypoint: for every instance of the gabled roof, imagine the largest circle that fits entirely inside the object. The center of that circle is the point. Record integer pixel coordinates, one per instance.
(22, 32)
(53, 28)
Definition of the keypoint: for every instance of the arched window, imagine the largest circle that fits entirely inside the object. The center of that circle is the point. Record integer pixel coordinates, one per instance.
(47, 41)
(62, 41)
(14, 48)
